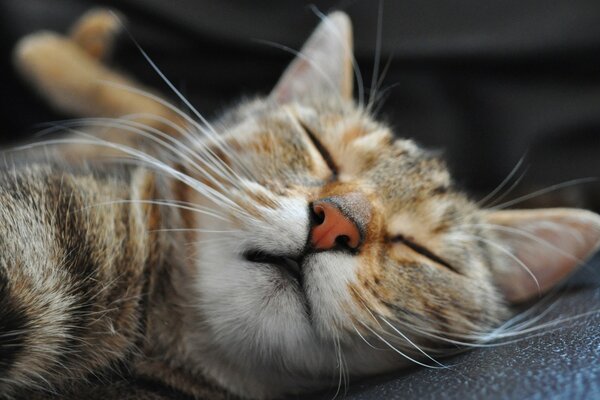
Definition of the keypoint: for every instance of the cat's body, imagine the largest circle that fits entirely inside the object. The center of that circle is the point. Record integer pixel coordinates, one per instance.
(276, 250)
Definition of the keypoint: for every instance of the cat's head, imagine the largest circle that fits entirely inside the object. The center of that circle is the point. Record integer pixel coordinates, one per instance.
(337, 248)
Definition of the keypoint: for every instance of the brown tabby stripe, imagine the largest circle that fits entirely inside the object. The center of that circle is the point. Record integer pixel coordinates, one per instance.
(94, 270)
(14, 319)
(77, 250)
(13, 326)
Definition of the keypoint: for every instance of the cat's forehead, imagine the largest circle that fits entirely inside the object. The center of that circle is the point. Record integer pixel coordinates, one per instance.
(365, 149)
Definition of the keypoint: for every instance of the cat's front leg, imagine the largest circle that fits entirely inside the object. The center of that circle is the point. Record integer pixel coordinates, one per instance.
(96, 31)
(68, 71)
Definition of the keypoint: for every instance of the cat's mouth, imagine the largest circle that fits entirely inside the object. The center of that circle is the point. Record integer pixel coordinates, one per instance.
(290, 267)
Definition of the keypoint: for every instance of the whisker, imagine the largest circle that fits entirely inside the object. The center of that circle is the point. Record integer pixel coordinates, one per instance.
(152, 161)
(527, 235)
(398, 351)
(365, 340)
(377, 59)
(125, 126)
(506, 251)
(411, 342)
(549, 189)
(216, 139)
(212, 161)
(375, 319)
(510, 188)
(183, 99)
(183, 205)
(481, 203)
(193, 230)
(340, 365)
(304, 57)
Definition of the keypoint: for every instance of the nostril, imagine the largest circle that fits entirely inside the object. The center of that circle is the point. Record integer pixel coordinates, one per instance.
(343, 240)
(317, 214)
(332, 228)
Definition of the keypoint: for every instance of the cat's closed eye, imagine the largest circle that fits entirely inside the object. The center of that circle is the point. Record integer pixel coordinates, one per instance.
(321, 149)
(422, 250)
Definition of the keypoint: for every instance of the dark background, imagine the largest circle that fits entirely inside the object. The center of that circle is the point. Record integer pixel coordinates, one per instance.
(488, 82)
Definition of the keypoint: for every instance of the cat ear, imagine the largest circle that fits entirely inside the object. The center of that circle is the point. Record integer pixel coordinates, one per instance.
(324, 65)
(541, 248)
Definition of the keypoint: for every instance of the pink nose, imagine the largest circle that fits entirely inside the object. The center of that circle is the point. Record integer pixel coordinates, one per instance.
(333, 229)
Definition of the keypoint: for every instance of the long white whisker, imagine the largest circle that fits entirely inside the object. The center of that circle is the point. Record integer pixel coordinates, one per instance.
(527, 235)
(194, 230)
(510, 188)
(549, 189)
(378, 95)
(377, 60)
(302, 56)
(196, 209)
(396, 350)
(504, 182)
(213, 162)
(365, 340)
(375, 319)
(137, 128)
(338, 353)
(411, 342)
(216, 139)
(192, 183)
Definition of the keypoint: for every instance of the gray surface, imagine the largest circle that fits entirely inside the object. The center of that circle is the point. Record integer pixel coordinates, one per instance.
(560, 363)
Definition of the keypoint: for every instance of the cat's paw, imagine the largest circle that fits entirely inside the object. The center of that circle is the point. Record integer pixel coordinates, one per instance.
(95, 32)
(67, 71)
(58, 69)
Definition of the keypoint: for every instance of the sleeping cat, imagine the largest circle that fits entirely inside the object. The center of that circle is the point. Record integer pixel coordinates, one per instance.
(290, 244)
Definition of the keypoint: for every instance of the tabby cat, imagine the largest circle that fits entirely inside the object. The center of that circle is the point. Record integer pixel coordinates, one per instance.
(284, 247)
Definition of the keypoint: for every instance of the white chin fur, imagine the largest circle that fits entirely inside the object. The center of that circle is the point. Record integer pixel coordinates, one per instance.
(259, 328)
(253, 310)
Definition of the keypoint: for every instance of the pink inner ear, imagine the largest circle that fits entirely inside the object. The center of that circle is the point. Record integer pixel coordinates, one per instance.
(549, 244)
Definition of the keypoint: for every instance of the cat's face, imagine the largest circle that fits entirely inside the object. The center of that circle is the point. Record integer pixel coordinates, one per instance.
(339, 246)
(389, 191)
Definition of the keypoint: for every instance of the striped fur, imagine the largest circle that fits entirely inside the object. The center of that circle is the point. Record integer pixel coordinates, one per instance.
(73, 287)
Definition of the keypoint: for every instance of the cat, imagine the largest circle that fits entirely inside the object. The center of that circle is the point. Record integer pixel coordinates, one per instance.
(291, 244)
